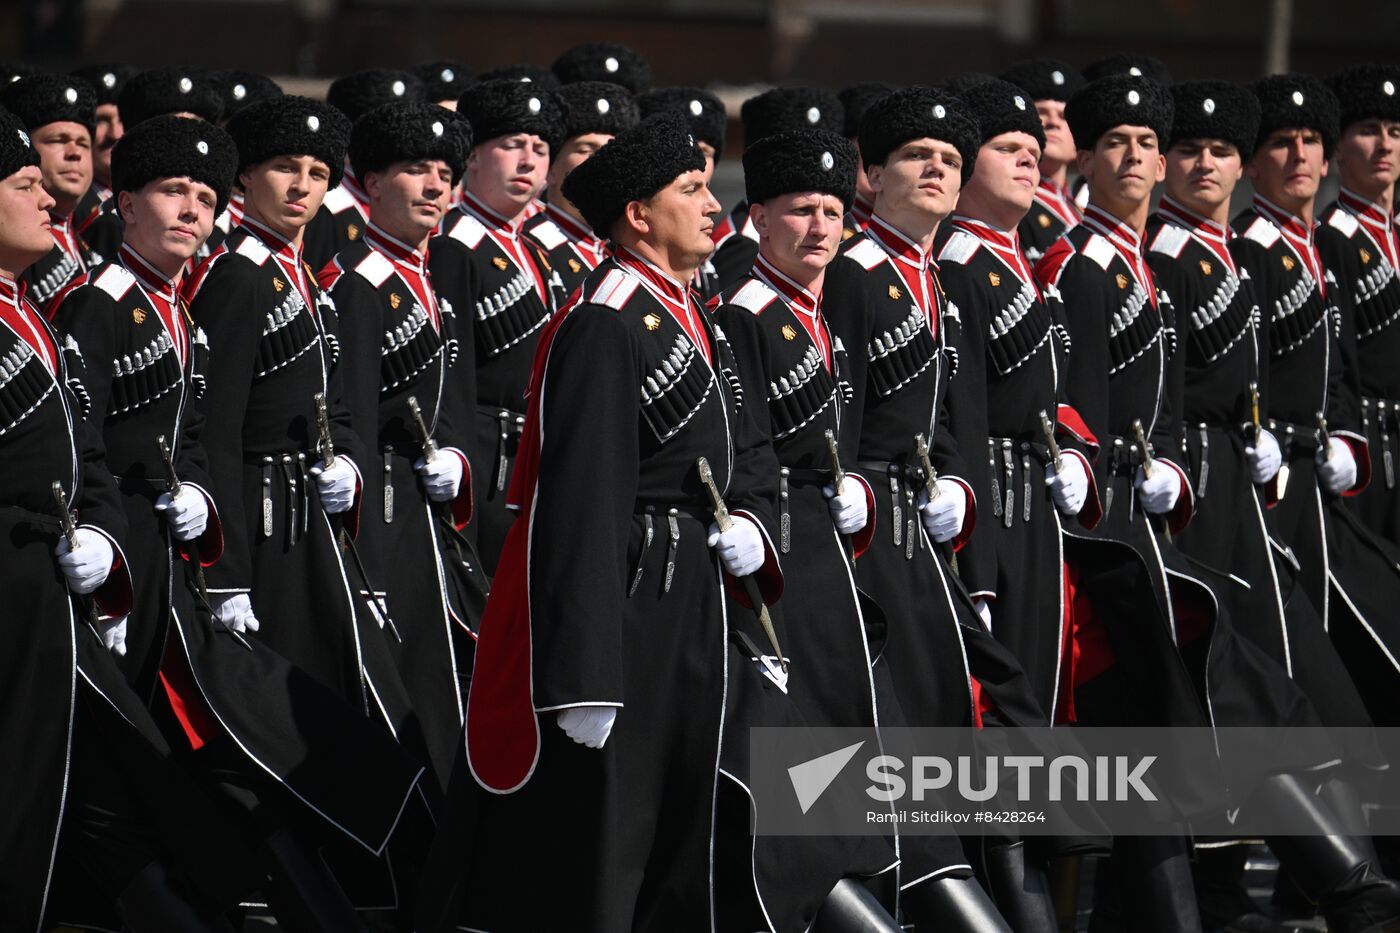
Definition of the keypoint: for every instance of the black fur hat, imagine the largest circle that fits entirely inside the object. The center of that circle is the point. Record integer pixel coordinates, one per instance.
(291, 125)
(106, 80)
(1140, 66)
(408, 132)
(175, 147)
(45, 98)
(790, 108)
(915, 113)
(635, 165)
(534, 74)
(16, 151)
(1297, 101)
(502, 107)
(1045, 79)
(800, 161)
(704, 111)
(603, 61)
(1002, 107)
(1367, 92)
(241, 88)
(357, 94)
(965, 81)
(1117, 100)
(597, 107)
(170, 90)
(856, 99)
(443, 80)
(1215, 110)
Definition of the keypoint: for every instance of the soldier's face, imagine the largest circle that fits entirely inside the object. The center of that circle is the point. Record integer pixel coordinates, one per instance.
(1368, 155)
(65, 155)
(799, 233)
(923, 176)
(676, 220)
(508, 172)
(1202, 173)
(572, 154)
(168, 220)
(1124, 166)
(1004, 178)
(408, 199)
(286, 191)
(24, 219)
(109, 130)
(1059, 141)
(1288, 166)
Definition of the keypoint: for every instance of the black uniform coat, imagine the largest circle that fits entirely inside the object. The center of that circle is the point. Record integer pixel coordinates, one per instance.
(398, 341)
(69, 258)
(342, 219)
(571, 249)
(622, 833)
(1053, 213)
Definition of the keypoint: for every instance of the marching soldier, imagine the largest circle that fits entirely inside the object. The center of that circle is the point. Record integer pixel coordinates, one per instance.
(403, 375)
(598, 729)
(855, 100)
(1051, 84)
(594, 112)
(107, 81)
(603, 61)
(59, 113)
(1358, 242)
(443, 82)
(500, 279)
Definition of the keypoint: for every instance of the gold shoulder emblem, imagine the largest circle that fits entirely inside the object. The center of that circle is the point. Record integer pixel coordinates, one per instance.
(394, 300)
(994, 279)
(651, 321)
(138, 315)
(353, 232)
(575, 266)
(1122, 280)
(847, 233)
(1365, 256)
(895, 293)
(789, 332)
(1205, 267)
(1288, 263)
(278, 285)
(1043, 220)
(499, 263)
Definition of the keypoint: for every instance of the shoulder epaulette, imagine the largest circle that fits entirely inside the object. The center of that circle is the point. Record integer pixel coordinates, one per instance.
(1262, 232)
(1098, 249)
(1343, 221)
(868, 253)
(1171, 239)
(338, 200)
(961, 247)
(115, 281)
(614, 290)
(374, 268)
(253, 248)
(548, 234)
(467, 230)
(753, 296)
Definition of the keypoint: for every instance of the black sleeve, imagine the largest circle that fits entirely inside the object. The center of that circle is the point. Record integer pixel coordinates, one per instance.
(455, 281)
(88, 315)
(1344, 383)
(1087, 306)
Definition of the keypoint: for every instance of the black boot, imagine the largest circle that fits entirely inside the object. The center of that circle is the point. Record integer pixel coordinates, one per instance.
(149, 904)
(1332, 868)
(303, 894)
(952, 905)
(1020, 891)
(1155, 886)
(1224, 903)
(852, 908)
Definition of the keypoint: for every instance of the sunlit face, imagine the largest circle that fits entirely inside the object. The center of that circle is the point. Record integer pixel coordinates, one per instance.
(168, 219)
(1006, 173)
(1124, 165)
(1059, 141)
(408, 199)
(573, 153)
(1368, 154)
(1288, 166)
(922, 176)
(677, 220)
(286, 191)
(109, 130)
(65, 155)
(1202, 173)
(799, 233)
(508, 172)
(24, 219)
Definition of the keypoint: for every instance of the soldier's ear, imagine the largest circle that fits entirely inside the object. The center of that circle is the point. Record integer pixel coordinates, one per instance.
(758, 213)
(1084, 159)
(371, 183)
(637, 216)
(874, 175)
(124, 207)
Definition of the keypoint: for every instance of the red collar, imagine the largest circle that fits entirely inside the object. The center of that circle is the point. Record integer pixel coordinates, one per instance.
(151, 278)
(1058, 201)
(797, 297)
(1379, 224)
(350, 183)
(862, 210)
(1126, 241)
(1004, 244)
(1297, 234)
(394, 248)
(283, 249)
(496, 223)
(1212, 235)
(899, 245)
(674, 295)
(573, 228)
(16, 312)
(235, 207)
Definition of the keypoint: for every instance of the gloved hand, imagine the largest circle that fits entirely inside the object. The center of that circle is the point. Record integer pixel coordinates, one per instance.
(113, 635)
(337, 485)
(187, 513)
(740, 548)
(588, 725)
(442, 478)
(234, 611)
(87, 567)
(1070, 487)
(1338, 472)
(848, 510)
(943, 517)
(1159, 491)
(1264, 457)
(984, 611)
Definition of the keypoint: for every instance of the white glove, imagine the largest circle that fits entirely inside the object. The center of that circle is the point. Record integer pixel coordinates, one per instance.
(1159, 491)
(848, 510)
(442, 478)
(984, 611)
(943, 517)
(1070, 487)
(740, 548)
(234, 611)
(337, 485)
(1264, 457)
(113, 635)
(1337, 472)
(187, 513)
(87, 567)
(588, 725)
